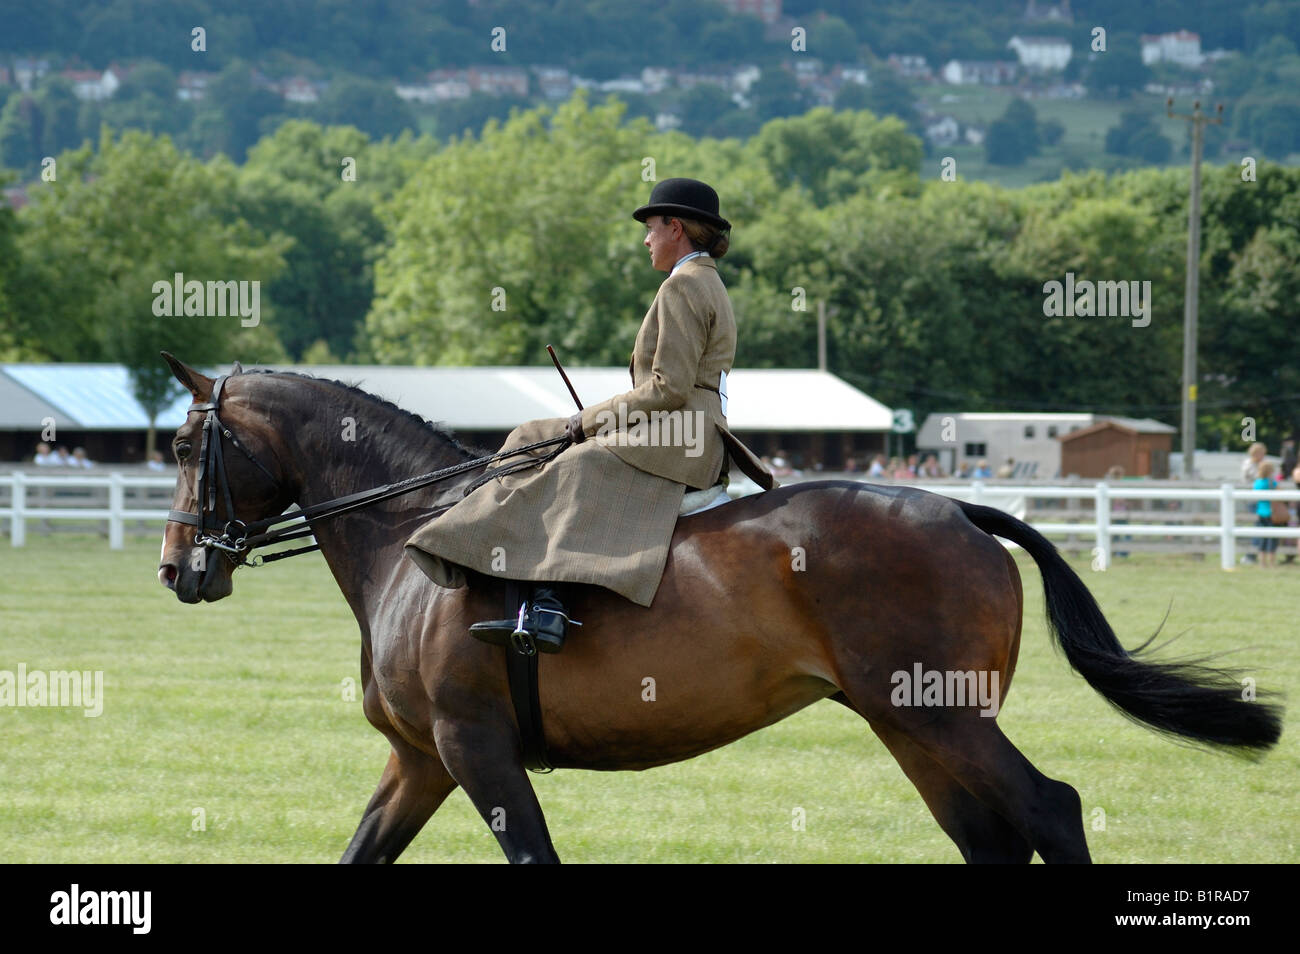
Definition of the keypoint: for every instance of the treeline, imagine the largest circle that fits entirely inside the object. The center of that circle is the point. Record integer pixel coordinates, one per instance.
(483, 250)
(597, 38)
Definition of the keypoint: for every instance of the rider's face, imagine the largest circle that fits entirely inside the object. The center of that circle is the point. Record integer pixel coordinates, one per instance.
(662, 237)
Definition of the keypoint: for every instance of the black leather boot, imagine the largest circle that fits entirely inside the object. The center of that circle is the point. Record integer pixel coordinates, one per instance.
(540, 627)
(548, 621)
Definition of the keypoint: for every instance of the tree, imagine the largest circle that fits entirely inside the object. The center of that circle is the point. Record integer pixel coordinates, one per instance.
(1137, 136)
(522, 237)
(292, 186)
(132, 214)
(836, 154)
(889, 95)
(1119, 72)
(18, 136)
(369, 105)
(1012, 137)
(57, 106)
(702, 105)
(776, 94)
(832, 40)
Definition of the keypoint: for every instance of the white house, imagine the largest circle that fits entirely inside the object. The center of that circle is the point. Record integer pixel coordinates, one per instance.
(983, 72)
(1182, 49)
(92, 85)
(1041, 53)
(944, 131)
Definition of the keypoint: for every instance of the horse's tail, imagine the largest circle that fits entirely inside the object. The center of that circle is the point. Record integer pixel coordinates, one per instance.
(1188, 699)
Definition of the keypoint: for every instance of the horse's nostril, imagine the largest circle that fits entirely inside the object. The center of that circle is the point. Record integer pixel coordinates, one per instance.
(167, 575)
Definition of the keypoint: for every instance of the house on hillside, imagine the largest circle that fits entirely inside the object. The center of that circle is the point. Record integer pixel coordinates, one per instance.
(1042, 54)
(94, 85)
(1182, 48)
(979, 72)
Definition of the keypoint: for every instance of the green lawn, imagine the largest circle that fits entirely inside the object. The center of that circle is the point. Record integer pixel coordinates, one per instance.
(1086, 122)
(237, 709)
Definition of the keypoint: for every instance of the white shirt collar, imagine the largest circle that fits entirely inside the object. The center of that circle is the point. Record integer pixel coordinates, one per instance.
(684, 259)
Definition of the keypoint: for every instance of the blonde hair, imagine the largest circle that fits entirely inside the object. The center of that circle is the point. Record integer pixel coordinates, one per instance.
(705, 237)
(1265, 468)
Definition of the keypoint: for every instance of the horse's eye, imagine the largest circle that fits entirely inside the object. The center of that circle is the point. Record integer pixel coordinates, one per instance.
(183, 451)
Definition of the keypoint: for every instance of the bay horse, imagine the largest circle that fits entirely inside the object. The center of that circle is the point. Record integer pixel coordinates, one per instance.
(826, 589)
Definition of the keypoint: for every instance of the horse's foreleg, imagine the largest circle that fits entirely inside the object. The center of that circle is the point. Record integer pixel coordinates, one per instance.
(487, 762)
(412, 787)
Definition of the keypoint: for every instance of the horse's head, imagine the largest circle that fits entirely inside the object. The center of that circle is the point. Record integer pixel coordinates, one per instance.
(230, 475)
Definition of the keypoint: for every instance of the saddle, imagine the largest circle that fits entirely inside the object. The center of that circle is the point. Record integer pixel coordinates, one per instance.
(516, 634)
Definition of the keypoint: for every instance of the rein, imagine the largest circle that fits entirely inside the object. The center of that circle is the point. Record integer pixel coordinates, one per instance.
(237, 538)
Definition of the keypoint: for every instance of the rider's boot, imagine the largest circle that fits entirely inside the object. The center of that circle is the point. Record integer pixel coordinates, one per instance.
(541, 625)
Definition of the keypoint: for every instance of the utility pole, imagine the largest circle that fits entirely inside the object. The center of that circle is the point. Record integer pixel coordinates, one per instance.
(821, 335)
(1199, 120)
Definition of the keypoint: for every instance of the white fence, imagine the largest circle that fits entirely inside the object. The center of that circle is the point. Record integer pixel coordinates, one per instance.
(121, 500)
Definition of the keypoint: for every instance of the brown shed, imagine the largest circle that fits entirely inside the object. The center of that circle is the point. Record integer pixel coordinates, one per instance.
(1141, 447)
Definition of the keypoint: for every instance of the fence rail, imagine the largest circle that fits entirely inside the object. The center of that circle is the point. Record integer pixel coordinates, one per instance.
(140, 502)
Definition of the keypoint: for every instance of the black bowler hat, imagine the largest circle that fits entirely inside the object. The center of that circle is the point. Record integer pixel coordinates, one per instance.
(688, 198)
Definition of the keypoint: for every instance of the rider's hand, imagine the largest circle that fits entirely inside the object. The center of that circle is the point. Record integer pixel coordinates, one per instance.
(573, 429)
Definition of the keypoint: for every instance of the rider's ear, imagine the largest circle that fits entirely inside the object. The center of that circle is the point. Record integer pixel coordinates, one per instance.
(200, 385)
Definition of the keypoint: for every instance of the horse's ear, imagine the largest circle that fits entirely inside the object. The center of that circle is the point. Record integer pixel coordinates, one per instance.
(236, 368)
(200, 385)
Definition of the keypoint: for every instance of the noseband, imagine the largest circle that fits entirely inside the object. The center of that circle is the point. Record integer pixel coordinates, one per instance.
(233, 536)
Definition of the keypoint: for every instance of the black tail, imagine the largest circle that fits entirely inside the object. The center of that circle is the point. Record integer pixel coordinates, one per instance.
(1187, 699)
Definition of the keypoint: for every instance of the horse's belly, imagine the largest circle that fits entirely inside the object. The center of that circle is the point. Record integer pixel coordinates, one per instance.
(670, 718)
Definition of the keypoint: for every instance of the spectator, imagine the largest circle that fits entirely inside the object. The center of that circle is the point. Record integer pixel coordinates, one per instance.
(964, 470)
(44, 457)
(1007, 470)
(63, 458)
(898, 470)
(930, 468)
(877, 468)
(1289, 459)
(781, 465)
(79, 458)
(1250, 466)
(981, 471)
(155, 461)
(1267, 546)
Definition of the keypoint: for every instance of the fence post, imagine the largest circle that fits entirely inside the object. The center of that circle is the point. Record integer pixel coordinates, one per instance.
(116, 510)
(1101, 511)
(977, 492)
(18, 522)
(1227, 522)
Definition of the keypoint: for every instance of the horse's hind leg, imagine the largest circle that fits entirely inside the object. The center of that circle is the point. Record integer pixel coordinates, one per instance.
(981, 834)
(412, 787)
(1048, 814)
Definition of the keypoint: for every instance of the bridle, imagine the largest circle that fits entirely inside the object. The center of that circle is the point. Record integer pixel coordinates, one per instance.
(237, 538)
(232, 538)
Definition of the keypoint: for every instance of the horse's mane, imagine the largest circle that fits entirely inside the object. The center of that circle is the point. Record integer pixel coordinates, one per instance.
(435, 428)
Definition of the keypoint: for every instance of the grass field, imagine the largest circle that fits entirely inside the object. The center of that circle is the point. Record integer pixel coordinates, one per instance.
(236, 708)
(1086, 122)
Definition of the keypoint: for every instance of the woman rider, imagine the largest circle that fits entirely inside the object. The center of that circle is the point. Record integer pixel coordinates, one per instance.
(603, 511)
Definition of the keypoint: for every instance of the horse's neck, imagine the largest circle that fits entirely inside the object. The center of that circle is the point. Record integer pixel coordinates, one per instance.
(364, 548)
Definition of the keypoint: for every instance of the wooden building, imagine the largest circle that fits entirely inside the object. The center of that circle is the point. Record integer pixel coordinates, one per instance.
(1140, 447)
